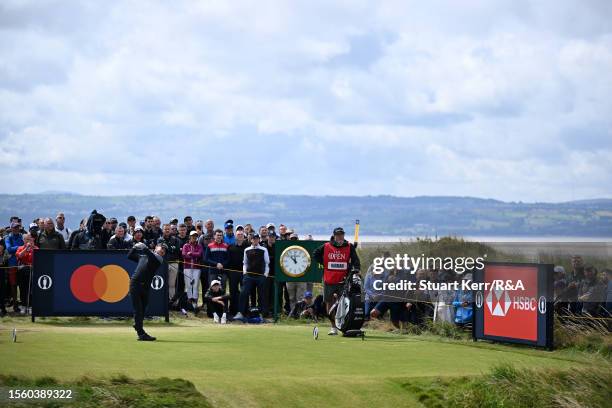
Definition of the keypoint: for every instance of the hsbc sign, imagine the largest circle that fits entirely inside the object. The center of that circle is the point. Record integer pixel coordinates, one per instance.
(515, 314)
(498, 302)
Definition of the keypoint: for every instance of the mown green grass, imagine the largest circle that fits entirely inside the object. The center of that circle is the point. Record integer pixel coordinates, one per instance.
(265, 366)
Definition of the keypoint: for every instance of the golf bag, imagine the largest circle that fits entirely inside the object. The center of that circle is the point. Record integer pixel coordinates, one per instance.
(350, 307)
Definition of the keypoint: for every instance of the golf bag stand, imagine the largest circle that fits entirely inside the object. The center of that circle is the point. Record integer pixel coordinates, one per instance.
(350, 307)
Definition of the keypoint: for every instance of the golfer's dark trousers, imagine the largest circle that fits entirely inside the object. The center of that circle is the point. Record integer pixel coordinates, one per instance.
(249, 283)
(139, 292)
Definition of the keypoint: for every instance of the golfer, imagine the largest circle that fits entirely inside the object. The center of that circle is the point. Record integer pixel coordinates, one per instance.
(140, 283)
(338, 257)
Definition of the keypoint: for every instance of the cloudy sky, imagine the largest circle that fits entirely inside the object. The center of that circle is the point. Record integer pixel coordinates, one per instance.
(499, 99)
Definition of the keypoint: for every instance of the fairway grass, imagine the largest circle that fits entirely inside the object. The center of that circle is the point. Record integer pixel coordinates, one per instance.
(266, 365)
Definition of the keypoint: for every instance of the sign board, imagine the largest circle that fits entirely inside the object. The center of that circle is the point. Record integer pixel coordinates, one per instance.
(314, 271)
(90, 283)
(515, 304)
(299, 265)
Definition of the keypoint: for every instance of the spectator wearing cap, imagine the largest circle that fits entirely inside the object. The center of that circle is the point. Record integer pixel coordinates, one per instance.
(269, 245)
(138, 235)
(216, 257)
(188, 221)
(228, 237)
(33, 230)
(303, 308)
(216, 301)
(234, 265)
(12, 242)
(192, 253)
(118, 240)
(64, 231)
(172, 257)
(25, 256)
(49, 238)
(271, 229)
(255, 268)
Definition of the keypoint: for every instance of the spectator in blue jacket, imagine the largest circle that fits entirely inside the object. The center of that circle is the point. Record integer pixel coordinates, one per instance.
(229, 237)
(463, 304)
(12, 242)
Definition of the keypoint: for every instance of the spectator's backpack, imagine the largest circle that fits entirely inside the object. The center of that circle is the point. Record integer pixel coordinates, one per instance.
(254, 316)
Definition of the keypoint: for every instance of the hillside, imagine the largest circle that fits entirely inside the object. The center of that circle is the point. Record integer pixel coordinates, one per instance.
(379, 215)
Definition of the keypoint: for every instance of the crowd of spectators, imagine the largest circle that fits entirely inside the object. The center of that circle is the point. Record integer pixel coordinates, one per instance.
(227, 271)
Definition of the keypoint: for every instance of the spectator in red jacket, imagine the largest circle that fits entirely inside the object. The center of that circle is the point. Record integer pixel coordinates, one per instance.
(25, 255)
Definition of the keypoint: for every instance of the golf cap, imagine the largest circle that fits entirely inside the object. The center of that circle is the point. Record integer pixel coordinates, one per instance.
(256, 235)
(33, 226)
(138, 228)
(193, 233)
(270, 226)
(293, 235)
(215, 282)
(338, 230)
(308, 294)
(228, 225)
(239, 227)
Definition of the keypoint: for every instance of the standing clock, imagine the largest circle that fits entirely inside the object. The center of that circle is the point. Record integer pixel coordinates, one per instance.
(295, 261)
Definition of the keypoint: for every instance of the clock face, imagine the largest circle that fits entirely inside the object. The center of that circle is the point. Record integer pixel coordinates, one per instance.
(295, 261)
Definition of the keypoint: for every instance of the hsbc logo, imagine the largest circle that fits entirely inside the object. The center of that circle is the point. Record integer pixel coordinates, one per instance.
(498, 302)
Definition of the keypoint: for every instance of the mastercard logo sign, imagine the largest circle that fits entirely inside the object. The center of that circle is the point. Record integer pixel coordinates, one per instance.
(109, 283)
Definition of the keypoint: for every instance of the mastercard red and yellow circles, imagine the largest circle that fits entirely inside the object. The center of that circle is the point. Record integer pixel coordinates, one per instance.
(109, 283)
